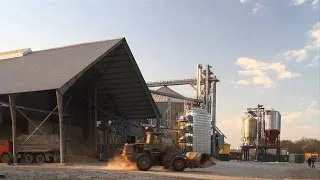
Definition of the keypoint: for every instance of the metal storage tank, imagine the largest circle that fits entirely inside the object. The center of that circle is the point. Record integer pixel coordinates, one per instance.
(249, 129)
(272, 125)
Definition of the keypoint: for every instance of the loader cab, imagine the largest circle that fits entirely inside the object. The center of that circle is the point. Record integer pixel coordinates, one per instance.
(154, 139)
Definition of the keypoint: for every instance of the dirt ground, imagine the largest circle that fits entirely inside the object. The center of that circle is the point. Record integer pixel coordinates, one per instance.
(223, 170)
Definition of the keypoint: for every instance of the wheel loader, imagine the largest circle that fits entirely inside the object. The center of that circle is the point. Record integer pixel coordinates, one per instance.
(158, 151)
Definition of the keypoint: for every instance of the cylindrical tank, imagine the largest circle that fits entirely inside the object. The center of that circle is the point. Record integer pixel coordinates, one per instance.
(249, 125)
(272, 125)
(273, 120)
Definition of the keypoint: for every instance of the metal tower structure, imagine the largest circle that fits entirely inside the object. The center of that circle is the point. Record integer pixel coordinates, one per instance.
(205, 86)
(259, 113)
(169, 118)
(259, 142)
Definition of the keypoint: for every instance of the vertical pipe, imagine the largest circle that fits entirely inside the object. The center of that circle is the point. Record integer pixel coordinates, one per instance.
(61, 127)
(258, 128)
(95, 117)
(106, 137)
(125, 129)
(207, 89)
(199, 78)
(213, 115)
(12, 102)
(89, 121)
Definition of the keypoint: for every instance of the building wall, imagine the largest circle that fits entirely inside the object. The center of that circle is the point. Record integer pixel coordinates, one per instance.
(45, 100)
(5, 126)
(176, 108)
(139, 132)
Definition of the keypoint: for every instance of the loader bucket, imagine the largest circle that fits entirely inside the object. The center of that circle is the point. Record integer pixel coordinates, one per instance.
(206, 161)
(199, 160)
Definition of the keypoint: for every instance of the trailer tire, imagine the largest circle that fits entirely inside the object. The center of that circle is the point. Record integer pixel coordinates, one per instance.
(28, 158)
(179, 164)
(5, 158)
(40, 158)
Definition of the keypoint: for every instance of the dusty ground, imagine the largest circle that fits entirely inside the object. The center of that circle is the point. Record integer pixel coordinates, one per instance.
(223, 170)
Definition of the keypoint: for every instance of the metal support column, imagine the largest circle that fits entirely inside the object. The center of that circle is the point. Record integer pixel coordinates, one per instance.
(168, 123)
(106, 138)
(95, 117)
(61, 127)
(12, 102)
(207, 93)
(198, 81)
(213, 117)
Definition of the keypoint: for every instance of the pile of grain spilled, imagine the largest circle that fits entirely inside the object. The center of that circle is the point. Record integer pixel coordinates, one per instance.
(117, 163)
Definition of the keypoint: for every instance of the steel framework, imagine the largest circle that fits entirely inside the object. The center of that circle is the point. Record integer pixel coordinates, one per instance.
(205, 86)
(259, 143)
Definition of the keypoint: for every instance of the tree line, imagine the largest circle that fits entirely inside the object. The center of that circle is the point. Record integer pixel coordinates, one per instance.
(304, 145)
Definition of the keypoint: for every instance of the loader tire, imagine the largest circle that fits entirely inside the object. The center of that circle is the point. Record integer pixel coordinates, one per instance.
(5, 158)
(144, 162)
(179, 164)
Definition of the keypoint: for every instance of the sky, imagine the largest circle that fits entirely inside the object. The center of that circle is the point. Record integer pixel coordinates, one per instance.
(263, 51)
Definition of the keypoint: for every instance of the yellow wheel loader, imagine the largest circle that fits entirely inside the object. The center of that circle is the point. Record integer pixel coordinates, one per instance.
(158, 151)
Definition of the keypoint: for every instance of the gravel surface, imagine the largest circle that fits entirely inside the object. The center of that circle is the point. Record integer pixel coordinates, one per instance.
(223, 170)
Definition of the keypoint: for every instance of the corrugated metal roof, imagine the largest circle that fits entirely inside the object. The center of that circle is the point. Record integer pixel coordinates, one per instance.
(49, 69)
(121, 87)
(14, 53)
(165, 89)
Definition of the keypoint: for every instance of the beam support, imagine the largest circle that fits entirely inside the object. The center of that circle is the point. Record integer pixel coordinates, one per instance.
(36, 129)
(12, 101)
(213, 120)
(103, 111)
(61, 128)
(7, 105)
(30, 121)
(95, 115)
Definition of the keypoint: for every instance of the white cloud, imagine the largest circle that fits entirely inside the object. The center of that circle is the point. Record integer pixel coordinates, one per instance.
(297, 55)
(315, 32)
(315, 3)
(244, 1)
(291, 116)
(298, 2)
(314, 35)
(313, 108)
(303, 110)
(283, 72)
(259, 72)
(315, 62)
(257, 8)
(302, 54)
(243, 82)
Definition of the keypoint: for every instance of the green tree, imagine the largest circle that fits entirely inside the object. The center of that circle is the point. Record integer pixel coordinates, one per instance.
(303, 145)
(287, 144)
